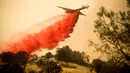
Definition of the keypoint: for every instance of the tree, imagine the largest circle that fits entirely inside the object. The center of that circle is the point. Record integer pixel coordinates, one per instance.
(113, 30)
(67, 55)
(11, 68)
(64, 54)
(7, 57)
(13, 63)
(97, 65)
(128, 3)
(79, 58)
(33, 58)
(49, 55)
(22, 58)
(104, 67)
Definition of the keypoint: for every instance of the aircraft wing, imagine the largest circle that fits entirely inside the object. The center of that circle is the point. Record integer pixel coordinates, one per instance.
(64, 8)
(83, 7)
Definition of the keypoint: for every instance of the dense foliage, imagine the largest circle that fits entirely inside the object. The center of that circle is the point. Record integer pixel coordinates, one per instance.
(16, 63)
(113, 29)
(67, 55)
(106, 67)
(48, 66)
(13, 63)
(49, 55)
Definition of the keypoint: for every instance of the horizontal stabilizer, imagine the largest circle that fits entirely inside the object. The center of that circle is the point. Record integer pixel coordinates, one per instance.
(82, 14)
(72, 10)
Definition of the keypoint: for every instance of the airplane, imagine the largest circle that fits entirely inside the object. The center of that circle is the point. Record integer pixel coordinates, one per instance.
(68, 10)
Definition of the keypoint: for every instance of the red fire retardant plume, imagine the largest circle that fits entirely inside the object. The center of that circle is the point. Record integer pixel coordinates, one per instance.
(40, 37)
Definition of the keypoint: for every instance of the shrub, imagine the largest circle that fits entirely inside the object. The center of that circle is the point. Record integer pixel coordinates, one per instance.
(49, 66)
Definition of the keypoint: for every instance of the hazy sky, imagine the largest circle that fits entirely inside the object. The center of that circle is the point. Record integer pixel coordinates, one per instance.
(19, 15)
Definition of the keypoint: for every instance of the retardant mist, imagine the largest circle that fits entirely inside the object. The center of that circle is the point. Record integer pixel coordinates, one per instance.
(38, 36)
